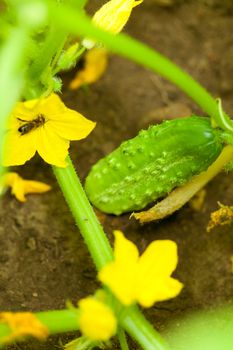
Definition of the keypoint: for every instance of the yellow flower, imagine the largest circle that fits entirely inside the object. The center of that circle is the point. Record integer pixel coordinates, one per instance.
(113, 15)
(45, 126)
(97, 320)
(22, 324)
(144, 279)
(94, 67)
(20, 187)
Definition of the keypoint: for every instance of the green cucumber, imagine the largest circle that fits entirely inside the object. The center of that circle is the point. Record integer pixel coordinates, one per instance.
(152, 164)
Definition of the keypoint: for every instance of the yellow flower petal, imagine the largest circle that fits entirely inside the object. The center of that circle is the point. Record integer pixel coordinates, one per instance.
(23, 324)
(113, 15)
(144, 279)
(159, 258)
(51, 147)
(119, 275)
(124, 249)
(73, 127)
(120, 281)
(49, 106)
(97, 320)
(94, 67)
(18, 149)
(151, 291)
(153, 282)
(20, 187)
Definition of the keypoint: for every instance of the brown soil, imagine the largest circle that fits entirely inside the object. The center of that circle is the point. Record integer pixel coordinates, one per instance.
(44, 261)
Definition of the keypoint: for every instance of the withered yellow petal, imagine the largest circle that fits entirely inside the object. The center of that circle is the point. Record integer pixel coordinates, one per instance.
(94, 67)
(20, 187)
(17, 188)
(9, 178)
(23, 324)
(31, 186)
(97, 320)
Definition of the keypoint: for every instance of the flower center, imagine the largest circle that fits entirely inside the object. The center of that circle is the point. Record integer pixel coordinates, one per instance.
(31, 124)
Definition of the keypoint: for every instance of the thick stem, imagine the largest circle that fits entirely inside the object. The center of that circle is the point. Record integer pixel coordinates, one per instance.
(84, 215)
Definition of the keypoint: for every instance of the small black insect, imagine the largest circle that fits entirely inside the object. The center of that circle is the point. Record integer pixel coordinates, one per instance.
(31, 124)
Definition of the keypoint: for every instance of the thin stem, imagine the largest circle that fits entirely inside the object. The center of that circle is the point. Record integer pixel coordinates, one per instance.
(84, 215)
(53, 43)
(122, 339)
(222, 117)
(77, 23)
(79, 53)
(59, 321)
(142, 331)
(56, 58)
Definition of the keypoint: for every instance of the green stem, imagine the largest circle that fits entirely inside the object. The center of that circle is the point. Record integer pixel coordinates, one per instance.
(77, 23)
(84, 215)
(59, 321)
(53, 43)
(142, 331)
(135, 323)
(122, 339)
(78, 55)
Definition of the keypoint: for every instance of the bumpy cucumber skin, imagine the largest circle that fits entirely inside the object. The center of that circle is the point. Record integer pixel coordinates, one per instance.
(150, 165)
